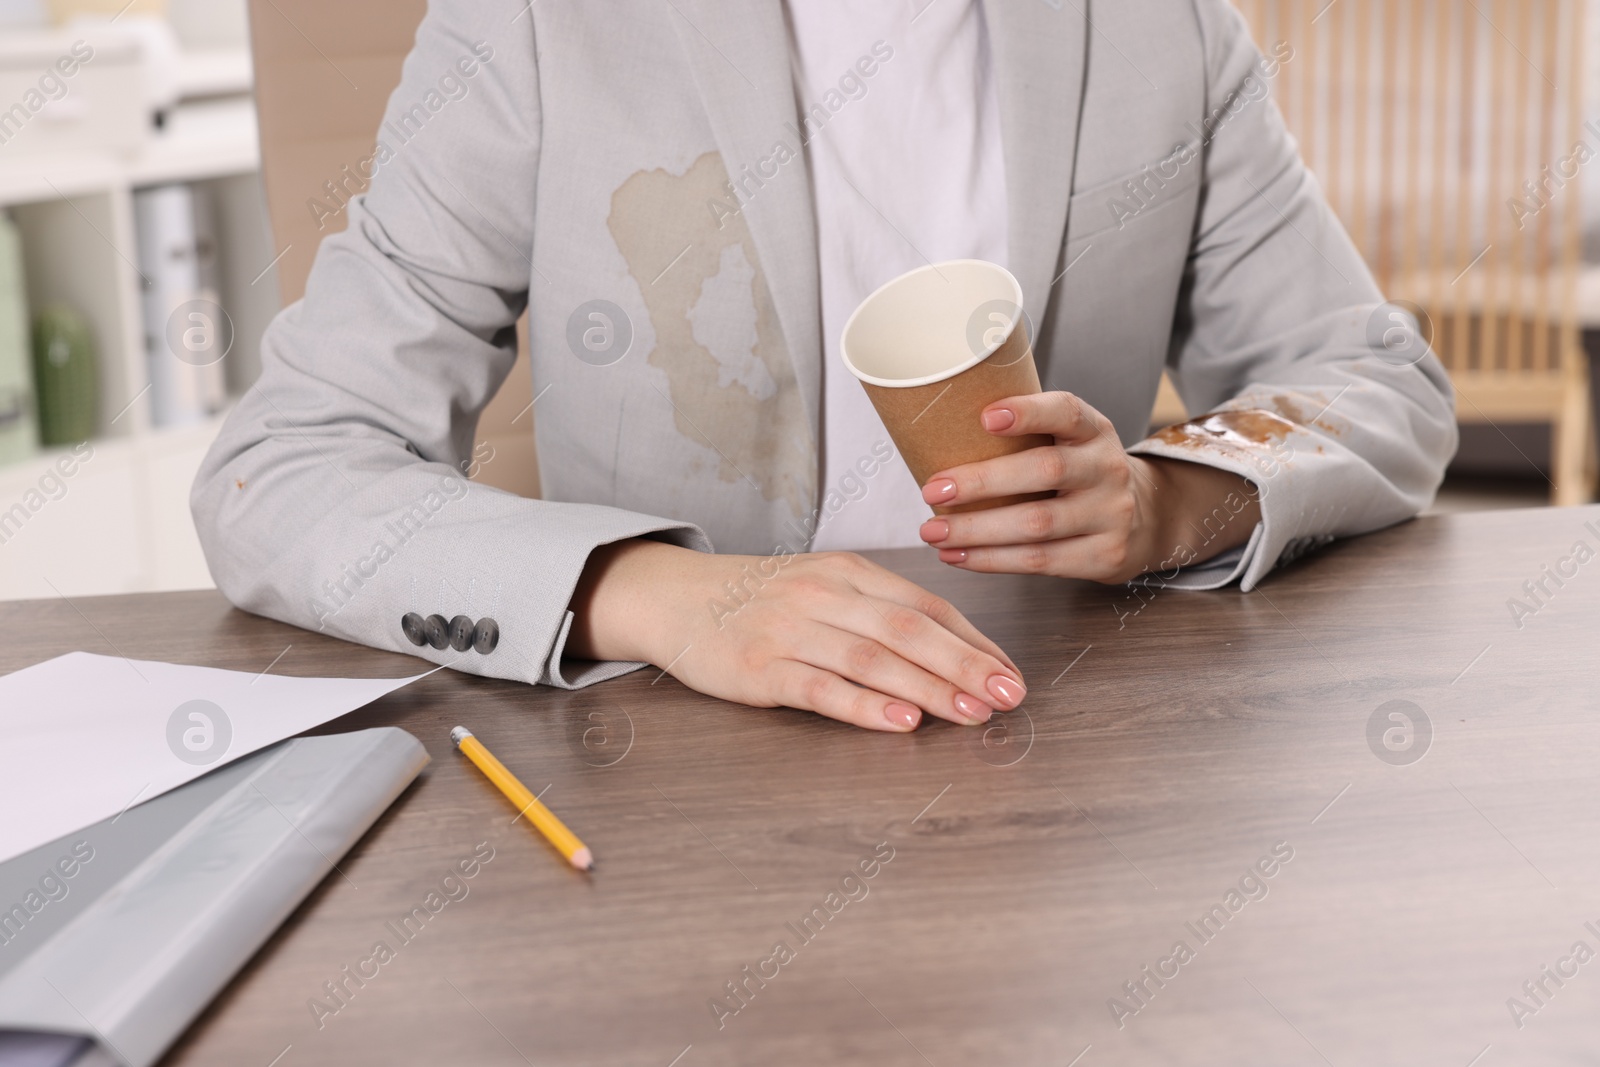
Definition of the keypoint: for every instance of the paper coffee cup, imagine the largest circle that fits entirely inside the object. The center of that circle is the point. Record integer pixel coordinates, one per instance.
(933, 348)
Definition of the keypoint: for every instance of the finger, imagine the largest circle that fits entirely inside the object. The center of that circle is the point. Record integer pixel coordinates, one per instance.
(1059, 414)
(873, 580)
(868, 661)
(958, 624)
(1073, 515)
(973, 672)
(1097, 557)
(808, 688)
(1046, 469)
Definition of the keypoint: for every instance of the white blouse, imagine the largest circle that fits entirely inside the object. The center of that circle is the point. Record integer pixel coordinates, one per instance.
(901, 118)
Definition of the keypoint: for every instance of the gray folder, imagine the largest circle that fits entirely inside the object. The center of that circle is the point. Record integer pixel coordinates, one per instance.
(114, 938)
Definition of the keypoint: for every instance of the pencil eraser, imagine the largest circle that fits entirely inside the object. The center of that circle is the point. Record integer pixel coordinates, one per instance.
(459, 734)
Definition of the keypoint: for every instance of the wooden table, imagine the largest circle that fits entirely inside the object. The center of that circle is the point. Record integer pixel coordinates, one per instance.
(1035, 869)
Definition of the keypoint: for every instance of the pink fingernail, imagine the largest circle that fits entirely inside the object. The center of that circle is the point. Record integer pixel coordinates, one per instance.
(935, 530)
(997, 419)
(1007, 692)
(940, 491)
(902, 716)
(952, 555)
(973, 708)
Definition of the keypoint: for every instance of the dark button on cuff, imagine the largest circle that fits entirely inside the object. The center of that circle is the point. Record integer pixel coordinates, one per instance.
(486, 636)
(461, 633)
(414, 628)
(438, 631)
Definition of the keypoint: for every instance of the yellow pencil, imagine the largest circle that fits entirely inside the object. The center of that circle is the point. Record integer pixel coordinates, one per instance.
(554, 830)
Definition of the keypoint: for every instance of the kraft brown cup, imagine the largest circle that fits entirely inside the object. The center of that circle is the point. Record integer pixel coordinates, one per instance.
(933, 348)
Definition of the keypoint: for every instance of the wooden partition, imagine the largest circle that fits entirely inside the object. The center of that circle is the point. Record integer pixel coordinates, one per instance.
(1446, 134)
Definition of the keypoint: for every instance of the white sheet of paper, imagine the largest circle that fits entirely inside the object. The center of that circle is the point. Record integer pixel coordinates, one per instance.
(84, 737)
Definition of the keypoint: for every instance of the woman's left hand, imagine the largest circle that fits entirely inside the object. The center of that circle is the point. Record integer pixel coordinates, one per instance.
(1113, 517)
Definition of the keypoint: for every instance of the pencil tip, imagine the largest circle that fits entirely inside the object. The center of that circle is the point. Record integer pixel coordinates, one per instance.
(583, 859)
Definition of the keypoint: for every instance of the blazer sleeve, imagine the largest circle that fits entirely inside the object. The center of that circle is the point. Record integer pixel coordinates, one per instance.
(336, 497)
(1314, 389)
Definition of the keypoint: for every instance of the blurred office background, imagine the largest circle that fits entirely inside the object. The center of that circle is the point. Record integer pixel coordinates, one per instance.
(146, 238)
(1459, 140)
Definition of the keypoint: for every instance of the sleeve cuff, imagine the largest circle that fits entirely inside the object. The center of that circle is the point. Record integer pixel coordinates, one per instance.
(579, 673)
(576, 673)
(1214, 573)
(490, 556)
(1280, 490)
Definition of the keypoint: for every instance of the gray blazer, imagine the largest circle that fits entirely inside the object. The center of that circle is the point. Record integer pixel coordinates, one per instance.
(549, 156)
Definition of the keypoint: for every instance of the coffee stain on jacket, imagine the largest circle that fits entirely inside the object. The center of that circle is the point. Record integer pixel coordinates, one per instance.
(742, 400)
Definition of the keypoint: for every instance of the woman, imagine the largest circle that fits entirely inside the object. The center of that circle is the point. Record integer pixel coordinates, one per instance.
(688, 199)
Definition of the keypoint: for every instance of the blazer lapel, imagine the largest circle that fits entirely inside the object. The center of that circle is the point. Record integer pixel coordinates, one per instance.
(739, 52)
(1038, 48)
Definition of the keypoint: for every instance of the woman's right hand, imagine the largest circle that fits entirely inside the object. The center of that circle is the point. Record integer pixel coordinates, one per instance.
(827, 632)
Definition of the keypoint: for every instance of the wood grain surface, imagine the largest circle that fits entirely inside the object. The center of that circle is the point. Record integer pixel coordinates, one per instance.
(1036, 867)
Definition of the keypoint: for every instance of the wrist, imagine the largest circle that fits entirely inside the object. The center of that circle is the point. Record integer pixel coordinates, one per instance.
(620, 605)
(1160, 512)
(1200, 511)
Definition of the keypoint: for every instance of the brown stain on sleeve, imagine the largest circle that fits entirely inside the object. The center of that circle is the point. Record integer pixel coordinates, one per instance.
(1247, 428)
(1290, 407)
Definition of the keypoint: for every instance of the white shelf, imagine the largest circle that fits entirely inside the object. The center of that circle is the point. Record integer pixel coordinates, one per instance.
(121, 524)
(34, 178)
(202, 139)
(214, 72)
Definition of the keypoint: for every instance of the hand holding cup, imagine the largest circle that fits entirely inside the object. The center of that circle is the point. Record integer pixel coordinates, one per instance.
(933, 348)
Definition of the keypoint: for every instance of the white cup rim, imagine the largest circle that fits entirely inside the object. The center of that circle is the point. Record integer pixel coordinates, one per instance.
(944, 375)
